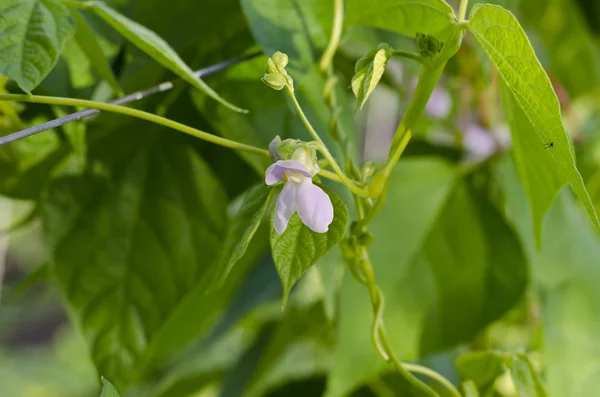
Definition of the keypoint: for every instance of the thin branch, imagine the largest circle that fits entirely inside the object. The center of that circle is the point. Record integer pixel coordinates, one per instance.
(136, 96)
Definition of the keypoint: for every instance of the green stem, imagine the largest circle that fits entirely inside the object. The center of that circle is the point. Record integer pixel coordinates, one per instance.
(344, 179)
(336, 34)
(427, 81)
(408, 55)
(138, 114)
(77, 4)
(462, 10)
(419, 369)
(379, 333)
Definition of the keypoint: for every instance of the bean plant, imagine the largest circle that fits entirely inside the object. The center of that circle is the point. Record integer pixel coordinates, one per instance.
(225, 233)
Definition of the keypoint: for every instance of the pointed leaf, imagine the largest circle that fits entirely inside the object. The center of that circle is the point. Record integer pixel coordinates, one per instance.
(32, 36)
(108, 390)
(507, 45)
(298, 248)
(242, 228)
(157, 48)
(369, 70)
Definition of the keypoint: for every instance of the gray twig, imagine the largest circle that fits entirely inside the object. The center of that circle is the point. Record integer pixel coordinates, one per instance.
(136, 96)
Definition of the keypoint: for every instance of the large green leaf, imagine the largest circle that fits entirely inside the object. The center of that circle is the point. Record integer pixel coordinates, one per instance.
(500, 34)
(405, 16)
(447, 264)
(541, 175)
(157, 48)
(298, 248)
(300, 29)
(132, 245)
(32, 35)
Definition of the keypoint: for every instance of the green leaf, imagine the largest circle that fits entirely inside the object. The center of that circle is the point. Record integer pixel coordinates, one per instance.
(86, 38)
(540, 174)
(408, 17)
(133, 245)
(300, 29)
(483, 368)
(32, 36)
(368, 72)
(565, 272)
(242, 227)
(525, 377)
(441, 287)
(108, 390)
(298, 248)
(153, 45)
(505, 42)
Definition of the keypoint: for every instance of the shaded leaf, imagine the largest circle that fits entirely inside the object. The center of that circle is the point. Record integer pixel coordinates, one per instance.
(298, 248)
(299, 29)
(32, 36)
(507, 45)
(157, 48)
(242, 228)
(566, 272)
(447, 263)
(483, 368)
(86, 38)
(132, 246)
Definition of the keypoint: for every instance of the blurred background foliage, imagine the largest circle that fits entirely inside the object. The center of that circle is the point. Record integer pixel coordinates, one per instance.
(117, 224)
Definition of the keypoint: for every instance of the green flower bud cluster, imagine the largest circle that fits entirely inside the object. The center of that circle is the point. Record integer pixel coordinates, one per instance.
(276, 76)
(428, 45)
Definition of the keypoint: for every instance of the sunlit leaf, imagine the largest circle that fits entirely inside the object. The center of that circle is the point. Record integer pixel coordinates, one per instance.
(405, 16)
(507, 45)
(482, 368)
(32, 36)
(368, 72)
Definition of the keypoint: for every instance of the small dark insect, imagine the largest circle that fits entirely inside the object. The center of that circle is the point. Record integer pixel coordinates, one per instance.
(549, 145)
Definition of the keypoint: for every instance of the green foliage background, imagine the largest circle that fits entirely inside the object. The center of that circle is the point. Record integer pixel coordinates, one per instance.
(140, 255)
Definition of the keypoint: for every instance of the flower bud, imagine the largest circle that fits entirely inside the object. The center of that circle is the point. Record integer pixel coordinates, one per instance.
(275, 81)
(307, 155)
(276, 76)
(280, 59)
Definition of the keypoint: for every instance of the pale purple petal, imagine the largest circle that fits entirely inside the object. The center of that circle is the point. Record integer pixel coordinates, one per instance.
(273, 146)
(275, 172)
(479, 142)
(314, 206)
(285, 207)
(439, 105)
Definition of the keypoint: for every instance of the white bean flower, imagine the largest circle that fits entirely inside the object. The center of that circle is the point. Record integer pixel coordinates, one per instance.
(296, 164)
